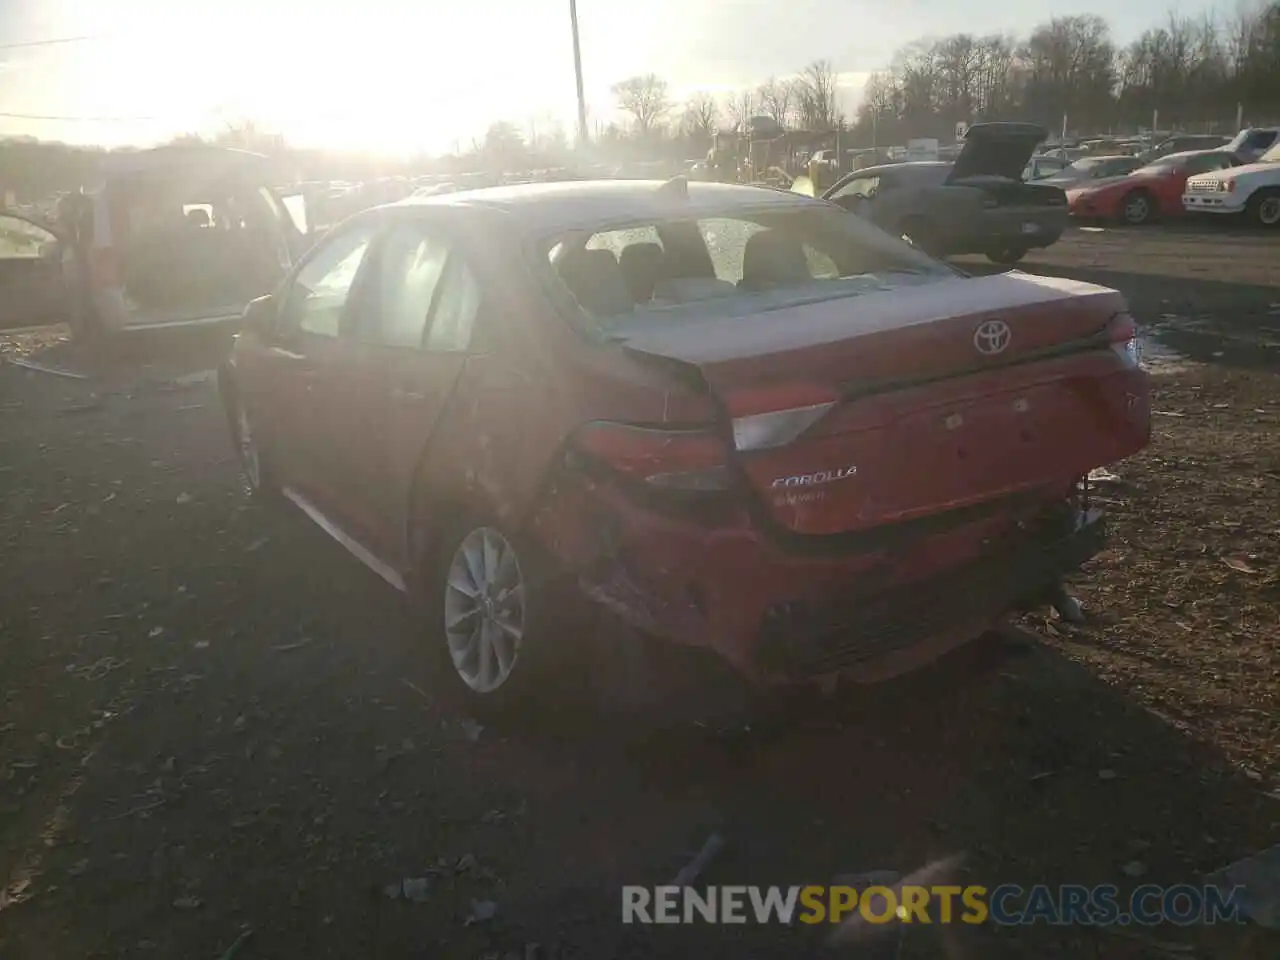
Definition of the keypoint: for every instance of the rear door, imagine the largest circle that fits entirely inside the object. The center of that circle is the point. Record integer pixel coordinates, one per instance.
(410, 347)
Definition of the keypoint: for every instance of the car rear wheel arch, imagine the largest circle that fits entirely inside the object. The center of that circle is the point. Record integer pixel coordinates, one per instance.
(544, 656)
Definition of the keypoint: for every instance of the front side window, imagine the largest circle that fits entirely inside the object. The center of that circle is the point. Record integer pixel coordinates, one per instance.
(865, 187)
(318, 297)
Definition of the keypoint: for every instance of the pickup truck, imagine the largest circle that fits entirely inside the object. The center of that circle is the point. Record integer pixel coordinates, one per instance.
(1252, 190)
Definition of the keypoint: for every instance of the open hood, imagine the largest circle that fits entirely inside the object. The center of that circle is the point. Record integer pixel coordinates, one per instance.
(997, 150)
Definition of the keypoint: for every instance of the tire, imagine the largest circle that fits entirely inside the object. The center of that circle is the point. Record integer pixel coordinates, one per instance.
(256, 476)
(86, 326)
(489, 606)
(1007, 256)
(1137, 208)
(1263, 208)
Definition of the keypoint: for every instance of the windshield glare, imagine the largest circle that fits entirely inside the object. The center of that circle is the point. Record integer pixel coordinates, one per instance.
(1161, 165)
(1084, 166)
(730, 265)
(1272, 155)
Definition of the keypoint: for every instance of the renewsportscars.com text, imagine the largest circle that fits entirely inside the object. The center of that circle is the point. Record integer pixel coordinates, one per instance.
(1006, 905)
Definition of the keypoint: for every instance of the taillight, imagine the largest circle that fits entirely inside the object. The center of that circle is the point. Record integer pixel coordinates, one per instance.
(688, 460)
(1122, 334)
(767, 417)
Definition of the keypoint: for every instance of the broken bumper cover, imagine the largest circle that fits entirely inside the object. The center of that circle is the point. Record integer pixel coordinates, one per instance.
(805, 639)
(781, 615)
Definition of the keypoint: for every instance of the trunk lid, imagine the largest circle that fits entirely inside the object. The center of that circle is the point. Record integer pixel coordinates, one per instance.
(997, 150)
(859, 411)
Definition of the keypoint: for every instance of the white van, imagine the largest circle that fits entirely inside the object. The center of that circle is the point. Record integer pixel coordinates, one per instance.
(176, 236)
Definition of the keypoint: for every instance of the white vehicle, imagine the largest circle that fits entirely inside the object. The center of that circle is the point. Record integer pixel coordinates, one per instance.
(175, 236)
(1252, 142)
(1252, 190)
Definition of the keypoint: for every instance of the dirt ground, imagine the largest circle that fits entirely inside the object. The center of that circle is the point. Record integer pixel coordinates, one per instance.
(216, 738)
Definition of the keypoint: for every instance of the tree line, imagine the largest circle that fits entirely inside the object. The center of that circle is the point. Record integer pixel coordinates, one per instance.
(1190, 73)
(1196, 74)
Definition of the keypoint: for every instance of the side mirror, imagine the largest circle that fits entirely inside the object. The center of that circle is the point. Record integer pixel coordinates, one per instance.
(260, 317)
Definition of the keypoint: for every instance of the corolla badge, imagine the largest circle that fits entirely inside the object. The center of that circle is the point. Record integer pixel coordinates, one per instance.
(815, 479)
(992, 336)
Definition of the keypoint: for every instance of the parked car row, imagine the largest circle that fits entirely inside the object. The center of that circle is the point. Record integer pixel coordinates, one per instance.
(1208, 181)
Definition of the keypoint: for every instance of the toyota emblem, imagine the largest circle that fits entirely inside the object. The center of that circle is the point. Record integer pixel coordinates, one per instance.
(992, 336)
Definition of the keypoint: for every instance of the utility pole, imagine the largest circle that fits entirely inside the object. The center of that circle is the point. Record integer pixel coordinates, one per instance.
(577, 71)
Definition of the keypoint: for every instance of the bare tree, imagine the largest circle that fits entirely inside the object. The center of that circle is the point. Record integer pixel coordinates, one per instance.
(701, 117)
(775, 98)
(503, 147)
(816, 95)
(645, 98)
(740, 107)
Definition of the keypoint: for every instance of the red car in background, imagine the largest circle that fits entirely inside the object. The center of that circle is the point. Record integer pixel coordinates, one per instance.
(1149, 192)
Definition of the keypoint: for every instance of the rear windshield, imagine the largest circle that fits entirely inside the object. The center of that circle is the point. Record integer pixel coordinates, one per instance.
(731, 265)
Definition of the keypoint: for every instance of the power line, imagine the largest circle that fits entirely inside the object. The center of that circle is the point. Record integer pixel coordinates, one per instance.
(60, 119)
(47, 43)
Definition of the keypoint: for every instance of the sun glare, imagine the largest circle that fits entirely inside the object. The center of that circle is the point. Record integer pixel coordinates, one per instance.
(373, 75)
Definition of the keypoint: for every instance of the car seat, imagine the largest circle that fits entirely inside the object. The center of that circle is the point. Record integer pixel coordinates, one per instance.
(595, 279)
(642, 267)
(772, 258)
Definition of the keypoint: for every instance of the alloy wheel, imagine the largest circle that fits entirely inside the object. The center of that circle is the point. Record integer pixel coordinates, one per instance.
(484, 609)
(1137, 208)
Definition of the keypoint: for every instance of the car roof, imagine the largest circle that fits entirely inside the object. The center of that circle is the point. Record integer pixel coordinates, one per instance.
(181, 156)
(1184, 154)
(544, 208)
(880, 168)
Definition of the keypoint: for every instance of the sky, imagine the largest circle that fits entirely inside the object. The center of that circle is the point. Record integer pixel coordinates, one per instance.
(395, 76)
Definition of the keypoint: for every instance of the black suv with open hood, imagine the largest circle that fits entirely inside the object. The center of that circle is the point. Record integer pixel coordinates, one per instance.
(977, 204)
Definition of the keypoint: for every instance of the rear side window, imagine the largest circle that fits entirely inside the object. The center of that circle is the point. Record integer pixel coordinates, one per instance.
(457, 306)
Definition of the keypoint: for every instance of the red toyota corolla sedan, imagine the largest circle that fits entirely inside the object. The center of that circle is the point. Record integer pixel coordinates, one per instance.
(1148, 193)
(742, 419)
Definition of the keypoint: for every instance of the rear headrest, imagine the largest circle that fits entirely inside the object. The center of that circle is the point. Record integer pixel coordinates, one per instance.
(771, 257)
(641, 265)
(593, 276)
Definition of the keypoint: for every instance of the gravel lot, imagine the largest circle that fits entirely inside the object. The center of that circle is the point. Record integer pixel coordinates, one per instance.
(216, 739)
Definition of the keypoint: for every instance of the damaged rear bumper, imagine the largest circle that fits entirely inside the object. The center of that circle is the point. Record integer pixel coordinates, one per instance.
(799, 639)
(781, 614)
